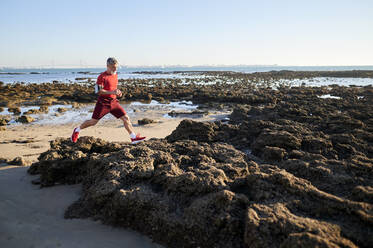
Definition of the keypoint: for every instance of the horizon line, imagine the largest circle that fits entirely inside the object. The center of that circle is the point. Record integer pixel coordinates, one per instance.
(170, 66)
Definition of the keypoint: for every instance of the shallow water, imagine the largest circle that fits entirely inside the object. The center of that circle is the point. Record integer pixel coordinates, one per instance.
(68, 76)
(329, 96)
(73, 115)
(326, 81)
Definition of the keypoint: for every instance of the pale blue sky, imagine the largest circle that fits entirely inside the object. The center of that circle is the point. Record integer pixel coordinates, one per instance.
(74, 33)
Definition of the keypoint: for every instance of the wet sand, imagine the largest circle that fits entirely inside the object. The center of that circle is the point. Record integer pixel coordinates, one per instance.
(33, 217)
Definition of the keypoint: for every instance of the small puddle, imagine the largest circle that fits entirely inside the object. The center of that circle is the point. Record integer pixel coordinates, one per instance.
(329, 96)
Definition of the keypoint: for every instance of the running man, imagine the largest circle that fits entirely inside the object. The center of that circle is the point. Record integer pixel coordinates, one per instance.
(107, 102)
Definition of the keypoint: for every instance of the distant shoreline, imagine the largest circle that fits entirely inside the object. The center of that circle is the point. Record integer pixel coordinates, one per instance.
(251, 68)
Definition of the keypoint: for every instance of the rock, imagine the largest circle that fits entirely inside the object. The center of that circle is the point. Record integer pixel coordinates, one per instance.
(43, 109)
(282, 139)
(363, 193)
(159, 99)
(75, 105)
(188, 129)
(25, 119)
(146, 121)
(46, 100)
(62, 110)
(174, 113)
(240, 113)
(4, 120)
(15, 111)
(193, 193)
(273, 154)
(31, 111)
(19, 161)
(299, 231)
(296, 154)
(2, 128)
(148, 97)
(316, 145)
(140, 175)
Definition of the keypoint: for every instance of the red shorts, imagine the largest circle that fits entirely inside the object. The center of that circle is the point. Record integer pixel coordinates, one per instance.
(105, 105)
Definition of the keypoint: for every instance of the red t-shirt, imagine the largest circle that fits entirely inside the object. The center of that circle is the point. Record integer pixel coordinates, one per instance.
(108, 82)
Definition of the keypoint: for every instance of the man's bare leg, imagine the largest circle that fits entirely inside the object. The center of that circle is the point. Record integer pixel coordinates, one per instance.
(127, 123)
(88, 123)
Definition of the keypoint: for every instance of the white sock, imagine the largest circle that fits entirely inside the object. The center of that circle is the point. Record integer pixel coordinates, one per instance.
(133, 135)
(77, 129)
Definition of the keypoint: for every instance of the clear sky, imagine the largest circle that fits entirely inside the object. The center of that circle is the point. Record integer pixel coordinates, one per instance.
(192, 32)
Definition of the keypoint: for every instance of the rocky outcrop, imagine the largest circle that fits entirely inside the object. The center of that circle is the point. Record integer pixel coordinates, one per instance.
(290, 169)
(201, 192)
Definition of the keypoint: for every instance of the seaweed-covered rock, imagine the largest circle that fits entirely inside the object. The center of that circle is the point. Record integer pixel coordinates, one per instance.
(15, 110)
(316, 145)
(3, 161)
(275, 225)
(145, 121)
(19, 161)
(4, 120)
(176, 189)
(61, 110)
(25, 119)
(189, 193)
(188, 129)
(273, 153)
(32, 111)
(43, 109)
(282, 139)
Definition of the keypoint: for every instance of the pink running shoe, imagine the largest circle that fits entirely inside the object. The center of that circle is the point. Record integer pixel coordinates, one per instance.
(75, 135)
(137, 139)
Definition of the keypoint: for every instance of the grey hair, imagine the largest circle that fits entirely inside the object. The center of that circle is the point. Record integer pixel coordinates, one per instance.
(112, 61)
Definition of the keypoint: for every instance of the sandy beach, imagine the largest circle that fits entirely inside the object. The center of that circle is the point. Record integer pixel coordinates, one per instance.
(29, 140)
(36, 137)
(33, 217)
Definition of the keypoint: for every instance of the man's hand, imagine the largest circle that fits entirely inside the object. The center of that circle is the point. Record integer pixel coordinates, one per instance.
(118, 92)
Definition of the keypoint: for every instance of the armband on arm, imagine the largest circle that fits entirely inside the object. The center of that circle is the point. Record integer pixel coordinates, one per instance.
(97, 88)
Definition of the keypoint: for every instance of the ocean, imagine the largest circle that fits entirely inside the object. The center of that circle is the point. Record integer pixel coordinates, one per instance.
(40, 75)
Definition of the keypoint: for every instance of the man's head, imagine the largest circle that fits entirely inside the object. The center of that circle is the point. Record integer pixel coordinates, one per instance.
(112, 65)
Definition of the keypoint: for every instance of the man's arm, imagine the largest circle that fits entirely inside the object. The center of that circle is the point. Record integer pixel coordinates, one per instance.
(99, 85)
(97, 88)
(108, 92)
